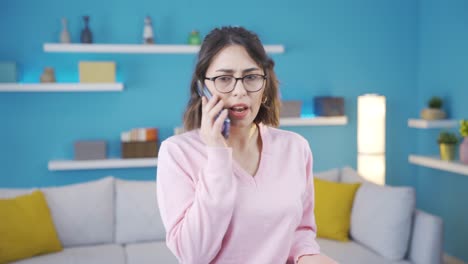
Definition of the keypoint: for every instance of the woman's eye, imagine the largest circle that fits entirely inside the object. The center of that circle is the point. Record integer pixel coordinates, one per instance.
(252, 77)
(224, 78)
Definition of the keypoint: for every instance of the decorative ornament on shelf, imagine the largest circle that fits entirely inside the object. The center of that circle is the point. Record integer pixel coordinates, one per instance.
(65, 35)
(290, 108)
(97, 71)
(90, 149)
(447, 144)
(434, 112)
(328, 106)
(48, 76)
(464, 144)
(86, 34)
(194, 38)
(8, 72)
(148, 36)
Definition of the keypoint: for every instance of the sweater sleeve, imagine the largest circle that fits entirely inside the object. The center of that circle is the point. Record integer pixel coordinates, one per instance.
(304, 237)
(195, 215)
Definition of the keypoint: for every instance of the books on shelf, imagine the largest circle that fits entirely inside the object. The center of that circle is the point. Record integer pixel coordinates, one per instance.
(139, 134)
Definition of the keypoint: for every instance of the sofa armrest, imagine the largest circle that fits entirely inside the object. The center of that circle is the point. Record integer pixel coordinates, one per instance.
(426, 239)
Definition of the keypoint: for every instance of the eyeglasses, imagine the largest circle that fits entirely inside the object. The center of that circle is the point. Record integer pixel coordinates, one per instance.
(226, 83)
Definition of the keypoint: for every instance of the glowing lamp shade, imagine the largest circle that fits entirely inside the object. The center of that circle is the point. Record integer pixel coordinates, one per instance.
(371, 137)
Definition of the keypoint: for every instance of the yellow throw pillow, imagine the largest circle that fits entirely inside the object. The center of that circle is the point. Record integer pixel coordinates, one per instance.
(333, 204)
(26, 228)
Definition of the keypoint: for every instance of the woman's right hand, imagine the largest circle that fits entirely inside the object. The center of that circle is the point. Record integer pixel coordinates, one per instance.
(211, 125)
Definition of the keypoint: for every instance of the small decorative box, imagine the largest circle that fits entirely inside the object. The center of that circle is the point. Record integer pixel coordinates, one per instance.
(139, 149)
(97, 72)
(291, 109)
(8, 72)
(90, 150)
(328, 106)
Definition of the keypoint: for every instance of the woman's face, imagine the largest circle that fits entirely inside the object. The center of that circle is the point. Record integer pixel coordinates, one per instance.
(234, 61)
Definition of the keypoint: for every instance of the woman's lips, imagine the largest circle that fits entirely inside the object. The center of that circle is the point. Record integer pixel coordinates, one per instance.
(238, 111)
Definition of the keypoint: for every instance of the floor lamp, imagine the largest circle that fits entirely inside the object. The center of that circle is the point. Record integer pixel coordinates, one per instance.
(371, 137)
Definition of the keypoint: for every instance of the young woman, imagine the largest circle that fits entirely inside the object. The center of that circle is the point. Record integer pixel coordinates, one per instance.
(246, 197)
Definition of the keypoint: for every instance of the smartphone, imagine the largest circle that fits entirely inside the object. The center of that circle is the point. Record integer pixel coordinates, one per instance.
(203, 91)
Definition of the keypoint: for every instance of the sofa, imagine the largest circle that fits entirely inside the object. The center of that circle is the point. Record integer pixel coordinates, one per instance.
(117, 221)
(386, 227)
(104, 221)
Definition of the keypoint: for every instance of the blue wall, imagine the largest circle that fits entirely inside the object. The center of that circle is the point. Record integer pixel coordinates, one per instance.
(443, 65)
(332, 48)
(405, 50)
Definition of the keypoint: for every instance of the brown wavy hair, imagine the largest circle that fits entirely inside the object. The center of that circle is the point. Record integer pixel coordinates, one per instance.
(213, 43)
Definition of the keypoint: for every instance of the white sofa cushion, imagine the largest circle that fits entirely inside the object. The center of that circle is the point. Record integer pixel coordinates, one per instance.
(352, 253)
(98, 254)
(83, 213)
(381, 219)
(350, 175)
(149, 253)
(6, 193)
(137, 212)
(329, 175)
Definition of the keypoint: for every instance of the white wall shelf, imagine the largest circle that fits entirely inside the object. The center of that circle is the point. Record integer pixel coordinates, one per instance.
(437, 163)
(314, 121)
(136, 48)
(61, 87)
(56, 165)
(421, 123)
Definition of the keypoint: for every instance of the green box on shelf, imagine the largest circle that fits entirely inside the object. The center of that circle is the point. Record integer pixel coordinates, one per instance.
(7, 72)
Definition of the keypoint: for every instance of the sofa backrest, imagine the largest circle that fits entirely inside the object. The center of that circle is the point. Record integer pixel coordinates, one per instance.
(381, 217)
(83, 213)
(137, 214)
(103, 211)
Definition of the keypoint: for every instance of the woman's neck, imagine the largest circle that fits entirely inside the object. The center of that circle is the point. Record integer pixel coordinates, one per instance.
(241, 138)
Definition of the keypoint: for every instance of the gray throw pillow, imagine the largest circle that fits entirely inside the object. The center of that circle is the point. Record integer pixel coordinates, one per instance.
(381, 219)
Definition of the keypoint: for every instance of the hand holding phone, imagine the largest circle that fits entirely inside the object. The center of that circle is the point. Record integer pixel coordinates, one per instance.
(203, 91)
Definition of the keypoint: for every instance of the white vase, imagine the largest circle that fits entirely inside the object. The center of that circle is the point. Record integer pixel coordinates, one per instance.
(64, 35)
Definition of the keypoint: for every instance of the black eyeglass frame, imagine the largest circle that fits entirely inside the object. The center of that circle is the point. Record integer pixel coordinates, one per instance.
(213, 79)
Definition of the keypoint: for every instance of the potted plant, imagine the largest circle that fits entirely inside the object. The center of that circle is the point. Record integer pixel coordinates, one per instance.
(447, 143)
(434, 110)
(464, 144)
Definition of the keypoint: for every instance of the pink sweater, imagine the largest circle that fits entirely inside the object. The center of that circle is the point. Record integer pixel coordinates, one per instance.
(215, 212)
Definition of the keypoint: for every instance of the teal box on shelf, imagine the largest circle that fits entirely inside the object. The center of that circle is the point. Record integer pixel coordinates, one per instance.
(7, 72)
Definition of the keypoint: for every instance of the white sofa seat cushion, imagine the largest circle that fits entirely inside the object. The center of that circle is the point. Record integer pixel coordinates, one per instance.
(381, 219)
(83, 213)
(98, 254)
(137, 212)
(149, 253)
(353, 253)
